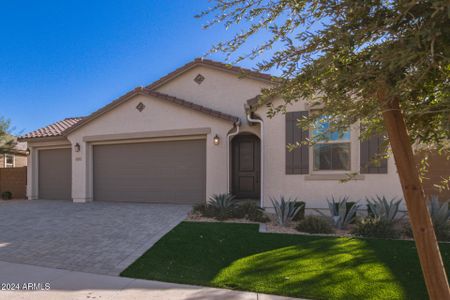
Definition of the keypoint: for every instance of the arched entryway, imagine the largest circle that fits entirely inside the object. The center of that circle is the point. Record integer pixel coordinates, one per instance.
(246, 166)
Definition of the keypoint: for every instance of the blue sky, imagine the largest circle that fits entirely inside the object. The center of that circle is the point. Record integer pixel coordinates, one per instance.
(68, 58)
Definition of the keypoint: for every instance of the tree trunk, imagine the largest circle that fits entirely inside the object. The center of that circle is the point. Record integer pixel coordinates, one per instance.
(422, 227)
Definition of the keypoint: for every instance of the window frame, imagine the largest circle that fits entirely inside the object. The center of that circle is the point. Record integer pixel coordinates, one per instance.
(9, 165)
(352, 152)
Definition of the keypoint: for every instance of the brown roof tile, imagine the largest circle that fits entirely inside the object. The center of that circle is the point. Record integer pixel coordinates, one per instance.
(68, 125)
(52, 130)
(215, 64)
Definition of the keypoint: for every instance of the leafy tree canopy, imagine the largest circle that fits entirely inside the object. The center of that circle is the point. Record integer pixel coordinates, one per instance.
(342, 53)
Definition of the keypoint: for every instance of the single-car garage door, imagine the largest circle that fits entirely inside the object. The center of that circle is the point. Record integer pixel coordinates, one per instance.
(55, 174)
(164, 172)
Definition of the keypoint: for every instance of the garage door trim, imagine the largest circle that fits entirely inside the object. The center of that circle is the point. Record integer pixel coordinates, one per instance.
(122, 171)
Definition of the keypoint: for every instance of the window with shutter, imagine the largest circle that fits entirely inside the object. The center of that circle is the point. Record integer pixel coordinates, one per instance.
(297, 160)
(371, 155)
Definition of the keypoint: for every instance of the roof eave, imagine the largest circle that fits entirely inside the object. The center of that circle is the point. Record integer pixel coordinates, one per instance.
(42, 139)
(152, 93)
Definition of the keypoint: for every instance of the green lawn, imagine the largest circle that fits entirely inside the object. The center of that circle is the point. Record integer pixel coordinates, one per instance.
(237, 256)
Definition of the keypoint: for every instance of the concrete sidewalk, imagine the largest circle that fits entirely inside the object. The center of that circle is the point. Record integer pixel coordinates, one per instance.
(77, 285)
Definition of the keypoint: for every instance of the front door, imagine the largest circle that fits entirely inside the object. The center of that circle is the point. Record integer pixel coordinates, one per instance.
(246, 161)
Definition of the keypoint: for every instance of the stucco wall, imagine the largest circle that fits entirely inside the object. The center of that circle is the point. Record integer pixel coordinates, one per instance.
(315, 192)
(220, 90)
(158, 115)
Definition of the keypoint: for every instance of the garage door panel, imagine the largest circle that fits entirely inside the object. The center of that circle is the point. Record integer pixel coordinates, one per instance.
(172, 172)
(55, 174)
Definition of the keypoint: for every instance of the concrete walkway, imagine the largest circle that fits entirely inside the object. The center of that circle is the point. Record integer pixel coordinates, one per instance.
(77, 285)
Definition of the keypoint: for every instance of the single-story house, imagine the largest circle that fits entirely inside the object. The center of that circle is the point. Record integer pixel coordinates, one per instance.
(196, 132)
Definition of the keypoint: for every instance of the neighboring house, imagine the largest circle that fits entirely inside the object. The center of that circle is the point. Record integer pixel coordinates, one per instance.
(16, 158)
(196, 132)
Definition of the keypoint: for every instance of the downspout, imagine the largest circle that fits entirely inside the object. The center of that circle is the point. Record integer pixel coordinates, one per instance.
(229, 136)
(250, 119)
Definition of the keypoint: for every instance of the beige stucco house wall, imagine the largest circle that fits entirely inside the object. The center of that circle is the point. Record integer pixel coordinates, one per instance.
(226, 92)
(220, 90)
(316, 187)
(158, 116)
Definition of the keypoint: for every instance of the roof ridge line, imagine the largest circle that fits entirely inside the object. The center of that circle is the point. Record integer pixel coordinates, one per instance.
(215, 64)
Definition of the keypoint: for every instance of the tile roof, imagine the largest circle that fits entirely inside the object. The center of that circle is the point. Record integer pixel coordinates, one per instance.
(215, 64)
(52, 130)
(149, 92)
(68, 125)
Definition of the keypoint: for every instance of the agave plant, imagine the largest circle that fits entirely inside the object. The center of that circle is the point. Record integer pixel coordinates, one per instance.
(221, 205)
(440, 214)
(383, 209)
(286, 209)
(341, 214)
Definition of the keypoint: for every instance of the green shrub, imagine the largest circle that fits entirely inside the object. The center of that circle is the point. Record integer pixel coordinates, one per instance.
(249, 210)
(442, 231)
(7, 195)
(220, 206)
(199, 208)
(301, 213)
(380, 207)
(315, 224)
(205, 210)
(376, 228)
(285, 209)
(440, 214)
(407, 230)
(341, 211)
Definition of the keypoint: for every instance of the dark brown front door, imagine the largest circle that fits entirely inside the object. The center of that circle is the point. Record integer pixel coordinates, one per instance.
(245, 157)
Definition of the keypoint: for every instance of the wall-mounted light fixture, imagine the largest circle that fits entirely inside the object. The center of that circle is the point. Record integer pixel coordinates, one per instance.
(27, 152)
(216, 140)
(77, 147)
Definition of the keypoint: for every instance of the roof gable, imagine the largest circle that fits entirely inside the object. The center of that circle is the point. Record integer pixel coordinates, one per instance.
(68, 125)
(243, 72)
(161, 96)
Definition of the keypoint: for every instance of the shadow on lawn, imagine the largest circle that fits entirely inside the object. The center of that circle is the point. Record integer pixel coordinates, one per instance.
(237, 256)
(329, 268)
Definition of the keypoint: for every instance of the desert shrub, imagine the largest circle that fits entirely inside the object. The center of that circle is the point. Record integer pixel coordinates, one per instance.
(341, 211)
(440, 215)
(220, 206)
(315, 224)
(376, 228)
(249, 210)
(7, 195)
(285, 209)
(380, 207)
(301, 213)
(199, 208)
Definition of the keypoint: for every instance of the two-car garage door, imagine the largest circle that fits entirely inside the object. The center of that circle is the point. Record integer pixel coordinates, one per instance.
(157, 172)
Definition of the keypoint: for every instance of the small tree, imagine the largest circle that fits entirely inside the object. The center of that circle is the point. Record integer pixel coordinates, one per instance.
(385, 64)
(7, 142)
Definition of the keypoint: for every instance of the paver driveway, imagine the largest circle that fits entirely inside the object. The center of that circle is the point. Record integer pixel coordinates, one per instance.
(95, 237)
